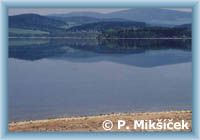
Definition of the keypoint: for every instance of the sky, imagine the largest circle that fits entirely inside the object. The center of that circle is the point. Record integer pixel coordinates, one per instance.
(46, 11)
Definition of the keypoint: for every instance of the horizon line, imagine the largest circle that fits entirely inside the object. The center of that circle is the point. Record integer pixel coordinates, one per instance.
(49, 11)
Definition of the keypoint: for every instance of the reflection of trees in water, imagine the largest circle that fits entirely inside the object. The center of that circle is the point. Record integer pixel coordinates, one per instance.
(148, 44)
(87, 47)
(31, 50)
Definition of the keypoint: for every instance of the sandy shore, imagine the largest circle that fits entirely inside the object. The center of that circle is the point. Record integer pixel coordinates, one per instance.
(94, 123)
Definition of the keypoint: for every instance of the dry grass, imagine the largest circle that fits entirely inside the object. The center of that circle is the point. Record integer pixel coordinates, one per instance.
(94, 123)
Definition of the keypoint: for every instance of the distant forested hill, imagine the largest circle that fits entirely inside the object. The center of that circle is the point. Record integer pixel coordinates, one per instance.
(157, 16)
(107, 25)
(77, 20)
(34, 25)
(187, 26)
(35, 22)
(149, 32)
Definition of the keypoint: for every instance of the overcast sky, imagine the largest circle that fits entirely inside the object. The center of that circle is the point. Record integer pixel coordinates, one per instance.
(46, 11)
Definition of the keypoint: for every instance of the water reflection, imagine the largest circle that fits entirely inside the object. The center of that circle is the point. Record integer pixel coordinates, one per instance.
(118, 51)
(84, 77)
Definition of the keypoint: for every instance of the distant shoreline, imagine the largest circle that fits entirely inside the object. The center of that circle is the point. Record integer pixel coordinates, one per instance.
(94, 123)
(61, 37)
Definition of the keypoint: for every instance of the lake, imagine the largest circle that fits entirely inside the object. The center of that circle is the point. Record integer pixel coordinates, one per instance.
(56, 78)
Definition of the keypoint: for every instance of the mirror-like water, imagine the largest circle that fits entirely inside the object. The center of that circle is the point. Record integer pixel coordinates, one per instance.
(55, 78)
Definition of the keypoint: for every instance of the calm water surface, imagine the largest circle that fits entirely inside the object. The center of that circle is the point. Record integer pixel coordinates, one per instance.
(65, 81)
